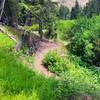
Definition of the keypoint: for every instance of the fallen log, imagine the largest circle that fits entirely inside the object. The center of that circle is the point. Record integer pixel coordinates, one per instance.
(8, 34)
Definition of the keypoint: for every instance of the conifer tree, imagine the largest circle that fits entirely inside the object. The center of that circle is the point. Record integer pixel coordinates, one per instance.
(92, 8)
(76, 11)
(63, 12)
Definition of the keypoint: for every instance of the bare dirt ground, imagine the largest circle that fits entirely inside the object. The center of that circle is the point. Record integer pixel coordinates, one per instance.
(45, 47)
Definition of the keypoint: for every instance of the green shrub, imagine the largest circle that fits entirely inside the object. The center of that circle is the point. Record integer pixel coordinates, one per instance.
(63, 28)
(54, 62)
(85, 41)
(51, 58)
(78, 81)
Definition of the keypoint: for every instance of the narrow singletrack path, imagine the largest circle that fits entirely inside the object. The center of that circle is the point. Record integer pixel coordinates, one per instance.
(45, 47)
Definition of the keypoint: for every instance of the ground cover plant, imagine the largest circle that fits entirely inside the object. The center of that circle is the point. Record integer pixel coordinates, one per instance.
(17, 82)
(77, 78)
(49, 50)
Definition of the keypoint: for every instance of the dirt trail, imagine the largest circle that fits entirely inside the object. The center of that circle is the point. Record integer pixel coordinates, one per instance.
(45, 47)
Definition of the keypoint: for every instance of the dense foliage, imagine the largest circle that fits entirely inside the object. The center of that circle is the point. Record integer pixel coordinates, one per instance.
(55, 63)
(17, 82)
(76, 11)
(63, 28)
(77, 69)
(64, 12)
(85, 41)
(77, 80)
(92, 8)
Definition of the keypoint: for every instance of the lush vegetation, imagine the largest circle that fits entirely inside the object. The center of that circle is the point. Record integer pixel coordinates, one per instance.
(85, 41)
(17, 82)
(63, 28)
(77, 79)
(77, 66)
(55, 63)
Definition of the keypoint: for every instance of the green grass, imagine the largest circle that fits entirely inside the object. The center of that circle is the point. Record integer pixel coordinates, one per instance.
(5, 42)
(77, 79)
(17, 82)
(34, 27)
(63, 28)
(20, 96)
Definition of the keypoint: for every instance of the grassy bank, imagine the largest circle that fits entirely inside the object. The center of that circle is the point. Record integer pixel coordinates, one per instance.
(17, 82)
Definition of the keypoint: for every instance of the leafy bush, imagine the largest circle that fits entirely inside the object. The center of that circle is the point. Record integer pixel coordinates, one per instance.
(85, 41)
(51, 58)
(54, 62)
(78, 81)
(63, 28)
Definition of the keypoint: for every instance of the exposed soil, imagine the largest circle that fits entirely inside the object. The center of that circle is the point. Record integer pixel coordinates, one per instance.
(44, 47)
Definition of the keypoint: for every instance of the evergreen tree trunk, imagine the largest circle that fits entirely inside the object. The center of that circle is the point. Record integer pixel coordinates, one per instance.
(2, 8)
(40, 29)
(50, 32)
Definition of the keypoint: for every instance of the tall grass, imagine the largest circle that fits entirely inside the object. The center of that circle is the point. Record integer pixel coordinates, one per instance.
(76, 79)
(5, 42)
(17, 82)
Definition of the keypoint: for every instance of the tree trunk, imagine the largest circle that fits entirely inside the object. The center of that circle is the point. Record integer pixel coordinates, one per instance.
(19, 45)
(40, 29)
(2, 8)
(22, 42)
(50, 31)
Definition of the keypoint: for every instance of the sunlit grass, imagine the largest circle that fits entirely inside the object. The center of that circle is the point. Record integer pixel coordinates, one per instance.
(77, 79)
(17, 82)
(5, 41)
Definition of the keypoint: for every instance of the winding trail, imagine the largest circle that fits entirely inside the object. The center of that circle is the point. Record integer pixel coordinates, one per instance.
(45, 47)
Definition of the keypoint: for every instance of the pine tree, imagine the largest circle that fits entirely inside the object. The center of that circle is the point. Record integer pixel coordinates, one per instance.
(2, 4)
(50, 17)
(76, 11)
(63, 12)
(92, 8)
(11, 11)
(44, 13)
